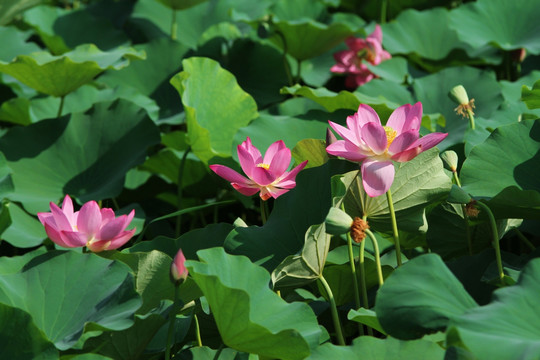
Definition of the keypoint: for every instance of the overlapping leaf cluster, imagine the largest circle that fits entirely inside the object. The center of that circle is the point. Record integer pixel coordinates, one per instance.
(128, 102)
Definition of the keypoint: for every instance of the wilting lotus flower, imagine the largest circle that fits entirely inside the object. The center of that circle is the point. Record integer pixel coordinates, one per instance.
(268, 175)
(179, 272)
(96, 228)
(351, 61)
(376, 146)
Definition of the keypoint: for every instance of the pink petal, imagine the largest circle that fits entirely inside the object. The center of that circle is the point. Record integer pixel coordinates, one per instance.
(291, 175)
(377, 176)
(374, 136)
(67, 208)
(275, 192)
(113, 228)
(272, 151)
(246, 190)
(54, 235)
(46, 217)
(348, 134)
(364, 115)
(430, 140)
(408, 154)
(98, 246)
(403, 142)
(60, 219)
(248, 161)
(355, 44)
(178, 268)
(107, 214)
(121, 239)
(262, 177)
(405, 118)
(280, 163)
(345, 150)
(74, 238)
(229, 174)
(376, 34)
(89, 220)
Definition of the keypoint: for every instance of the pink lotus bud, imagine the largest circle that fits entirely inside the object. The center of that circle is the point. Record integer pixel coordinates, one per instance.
(179, 272)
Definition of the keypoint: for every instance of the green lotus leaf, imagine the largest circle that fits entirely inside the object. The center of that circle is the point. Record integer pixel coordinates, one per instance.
(508, 326)
(304, 39)
(86, 156)
(394, 69)
(25, 231)
(313, 150)
(181, 4)
(63, 291)
(11, 8)
(509, 157)
(514, 203)
(21, 339)
(420, 297)
(60, 75)
(531, 97)
(251, 317)
(487, 21)
(366, 317)
(14, 43)
(380, 349)
(212, 97)
(432, 91)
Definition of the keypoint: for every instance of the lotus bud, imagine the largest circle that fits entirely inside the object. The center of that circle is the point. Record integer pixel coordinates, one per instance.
(459, 95)
(450, 160)
(178, 272)
(338, 222)
(458, 196)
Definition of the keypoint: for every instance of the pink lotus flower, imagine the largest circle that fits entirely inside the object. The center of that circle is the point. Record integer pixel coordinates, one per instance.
(179, 272)
(96, 228)
(376, 146)
(351, 61)
(268, 175)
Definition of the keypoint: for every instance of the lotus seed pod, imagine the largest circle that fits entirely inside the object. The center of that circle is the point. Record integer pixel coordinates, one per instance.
(459, 95)
(450, 160)
(337, 222)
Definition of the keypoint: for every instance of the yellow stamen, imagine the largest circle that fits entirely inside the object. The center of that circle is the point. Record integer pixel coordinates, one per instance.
(390, 135)
(264, 166)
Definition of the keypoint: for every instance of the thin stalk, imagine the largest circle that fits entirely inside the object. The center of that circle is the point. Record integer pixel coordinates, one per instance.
(362, 274)
(197, 330)
(174, 25)
(333, 309)
(394, 226)
(377, 256)
(456, 178)
(384, 4)
(115, 203)
(61, 107)
(465, 217)
(354, 278)
(264, 211)
(471, 118)
(495, 234)
(172, 318)
(299, 70)
(524, 239)
(180, 193)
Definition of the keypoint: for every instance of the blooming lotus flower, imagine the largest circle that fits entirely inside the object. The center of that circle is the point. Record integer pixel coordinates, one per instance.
(351, 61)
(179, 272)
(268, 175)
(376, 146)
(95, 228)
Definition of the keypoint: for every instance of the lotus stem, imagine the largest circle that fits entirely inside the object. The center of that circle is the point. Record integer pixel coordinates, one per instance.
(61, 107)
(174, 25)
(495, 234)
(394, 226)
(465, 217)
(354, 277)
(362, 273)
(264, 211)
(172, 318)
(384, 4)
(377, 256)
(197, 330)
(333, 309)
(180, 188)
(471, 118)
(524, 239)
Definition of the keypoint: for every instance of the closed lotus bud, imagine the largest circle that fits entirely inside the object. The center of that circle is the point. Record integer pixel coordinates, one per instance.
(458, 196)
(337, 222)
(450, 160)
(459, 95)
(179, 272)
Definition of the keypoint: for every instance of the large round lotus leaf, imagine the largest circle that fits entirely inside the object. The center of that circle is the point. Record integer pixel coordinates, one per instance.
(21, 339)
(508, 327)
(63, 29)
(25, 231)
(432, 91)
(531, 97)
(249, 315)
(425, 33)
(181, 4)
(304, 39)
(86, 156)
(372, 348)
(509, 157)
(60, 75)
(64, 290)
(299, 9)
(507, 24)
(420, 297)
(14, 43)
(212, 98)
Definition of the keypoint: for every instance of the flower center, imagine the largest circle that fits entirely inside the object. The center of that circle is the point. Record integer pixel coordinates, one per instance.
(264, 166)
(390, 135)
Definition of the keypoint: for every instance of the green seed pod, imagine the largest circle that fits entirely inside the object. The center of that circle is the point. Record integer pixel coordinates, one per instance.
(459, 95)
(450, 160)
(338, 222)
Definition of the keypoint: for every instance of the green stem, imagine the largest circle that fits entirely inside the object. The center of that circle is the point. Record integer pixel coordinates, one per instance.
(362, 274)
(354, 278)
(384, 4)
(172, 318)
(456, 178)
(264, 211)
(471, 118)
(377, 256)
(197, 330)
(524, 239)
(495, 234)
(394, 226)
(465, 217)
(61, 107)
(180, 188)
(333, 309)
(299, 70)
(174, 25)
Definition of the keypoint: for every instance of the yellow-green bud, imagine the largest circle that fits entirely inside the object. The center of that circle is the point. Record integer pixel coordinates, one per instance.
(450, 160)
(459, 95)
(338, 222)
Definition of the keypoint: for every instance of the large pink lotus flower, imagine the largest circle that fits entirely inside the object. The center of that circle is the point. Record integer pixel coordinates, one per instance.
(96, 228)
(268, 174)
(376, 146)
(179, 272)
(351, 61)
